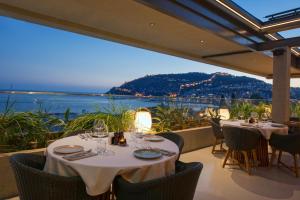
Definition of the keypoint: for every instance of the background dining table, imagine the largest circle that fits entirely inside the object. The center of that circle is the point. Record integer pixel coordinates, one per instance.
(98, 172)
(266, 129)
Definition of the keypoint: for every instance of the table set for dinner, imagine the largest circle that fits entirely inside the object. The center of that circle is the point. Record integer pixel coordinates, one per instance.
(97, 161)
(266, 129)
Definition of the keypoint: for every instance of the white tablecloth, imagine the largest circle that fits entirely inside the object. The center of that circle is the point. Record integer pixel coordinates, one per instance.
(98, 172)
(266, 129)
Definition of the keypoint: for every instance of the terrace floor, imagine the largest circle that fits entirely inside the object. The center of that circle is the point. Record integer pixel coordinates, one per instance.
(216, 183)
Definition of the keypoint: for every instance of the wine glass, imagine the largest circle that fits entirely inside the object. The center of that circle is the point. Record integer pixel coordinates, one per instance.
(100, 128)
(87, 135)
(264, 117)
(241, 115)
(254, 115)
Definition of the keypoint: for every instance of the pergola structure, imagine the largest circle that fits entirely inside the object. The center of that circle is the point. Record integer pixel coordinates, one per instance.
(216, 32)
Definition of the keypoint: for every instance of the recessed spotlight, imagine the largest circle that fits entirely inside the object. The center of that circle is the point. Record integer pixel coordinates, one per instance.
(201, 43)
(152, 24)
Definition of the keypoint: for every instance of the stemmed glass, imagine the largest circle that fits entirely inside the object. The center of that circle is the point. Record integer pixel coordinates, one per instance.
(100, 128)
(241, 115)
(87, 135)
(264, 117)
(254, 115)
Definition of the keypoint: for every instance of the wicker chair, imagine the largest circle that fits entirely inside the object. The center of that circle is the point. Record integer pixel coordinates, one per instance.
(219, 137)
(177, 139)
(35, 184)
(179, 186)
(241, 141)
(286, 143)
(294, 126)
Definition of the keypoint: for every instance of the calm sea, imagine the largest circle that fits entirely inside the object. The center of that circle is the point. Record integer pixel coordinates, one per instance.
(53, 103)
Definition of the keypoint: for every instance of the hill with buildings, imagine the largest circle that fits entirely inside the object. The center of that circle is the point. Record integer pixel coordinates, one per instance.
(200, 85)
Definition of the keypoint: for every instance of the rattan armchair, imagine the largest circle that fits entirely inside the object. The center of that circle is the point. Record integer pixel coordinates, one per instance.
(286, 143)
(35, 184)
(241, 140)
(219, 137)
(177, 139)
(181, 185)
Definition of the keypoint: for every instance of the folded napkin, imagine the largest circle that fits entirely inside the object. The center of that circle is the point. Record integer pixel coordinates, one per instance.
(166, 152)
(80, 155)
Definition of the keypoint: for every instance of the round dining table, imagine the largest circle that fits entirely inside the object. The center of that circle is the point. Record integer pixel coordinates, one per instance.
(99, 171)
(266, 129)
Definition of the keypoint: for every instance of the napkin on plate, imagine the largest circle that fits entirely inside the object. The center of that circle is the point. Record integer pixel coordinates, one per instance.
(166, 152)
(80, 155)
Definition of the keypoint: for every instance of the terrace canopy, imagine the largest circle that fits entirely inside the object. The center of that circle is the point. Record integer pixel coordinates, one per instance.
(216, 32)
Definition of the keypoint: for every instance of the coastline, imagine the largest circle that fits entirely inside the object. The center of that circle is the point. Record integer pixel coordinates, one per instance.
(50, 93)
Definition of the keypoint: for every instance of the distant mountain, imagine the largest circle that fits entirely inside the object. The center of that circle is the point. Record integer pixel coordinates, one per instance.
(198, 84)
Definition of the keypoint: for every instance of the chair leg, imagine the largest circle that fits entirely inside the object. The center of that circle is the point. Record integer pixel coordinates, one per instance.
(296, 165)
(247, 161)
(236, 157)
(279, 157)
(272, 157)
(254, 157)
(214, 146)
(222, 149)
(228, 153)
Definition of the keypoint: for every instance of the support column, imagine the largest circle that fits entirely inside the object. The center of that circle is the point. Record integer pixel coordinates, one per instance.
(281, 85)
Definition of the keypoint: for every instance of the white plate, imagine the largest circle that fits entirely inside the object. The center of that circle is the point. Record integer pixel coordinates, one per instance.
(246, 124)
(277, 125)
(147, 153)
(154, 138)
(68, 149)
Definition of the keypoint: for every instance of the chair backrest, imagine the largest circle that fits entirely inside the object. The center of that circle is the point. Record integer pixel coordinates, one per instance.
(288, 143)
(177, 139)
(35, 184)
(237, 138)
(217, 130)
(181, 185)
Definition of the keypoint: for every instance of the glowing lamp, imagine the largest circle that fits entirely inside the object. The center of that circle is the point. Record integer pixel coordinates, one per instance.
(143, 121)
(224, 113)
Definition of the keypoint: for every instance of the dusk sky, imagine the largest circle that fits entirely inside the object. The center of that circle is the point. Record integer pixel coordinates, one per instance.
(35, 57)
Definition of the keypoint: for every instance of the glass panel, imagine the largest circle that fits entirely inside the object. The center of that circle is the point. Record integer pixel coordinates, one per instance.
(260, 9)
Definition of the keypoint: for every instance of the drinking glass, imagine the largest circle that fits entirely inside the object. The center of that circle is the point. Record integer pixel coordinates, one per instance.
(264, 117)
(88, 135)
(133, 140)
(254, 115)
(101, 147)
(241, 115)
(145, 144)
(100, 128)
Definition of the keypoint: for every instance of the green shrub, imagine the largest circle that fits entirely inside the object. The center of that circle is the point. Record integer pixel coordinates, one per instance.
(20, 129)
(246, 108)
(295, 110)
(169, 118)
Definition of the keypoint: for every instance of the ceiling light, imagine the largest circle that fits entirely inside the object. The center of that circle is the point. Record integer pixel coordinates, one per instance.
(238, 14)
(271, 36)
(282, 23)
(261, 27)
(151, 24)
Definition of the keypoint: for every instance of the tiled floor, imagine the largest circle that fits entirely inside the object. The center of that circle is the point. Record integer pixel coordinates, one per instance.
(216, 183)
